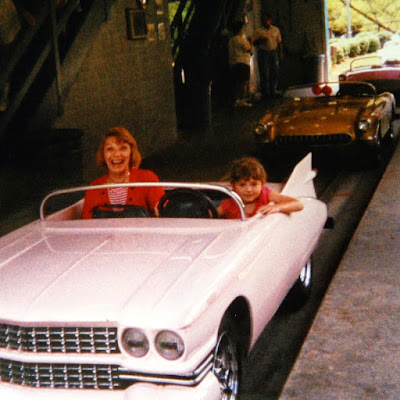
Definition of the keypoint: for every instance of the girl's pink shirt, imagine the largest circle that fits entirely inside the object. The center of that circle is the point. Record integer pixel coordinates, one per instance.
(231, 210)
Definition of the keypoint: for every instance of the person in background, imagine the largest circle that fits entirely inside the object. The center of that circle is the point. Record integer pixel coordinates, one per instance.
(118, 151)
(268, 40)
(240, 51)
(248, 177)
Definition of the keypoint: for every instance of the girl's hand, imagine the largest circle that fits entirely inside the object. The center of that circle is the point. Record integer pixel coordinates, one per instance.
(269, 209)
(280, 204)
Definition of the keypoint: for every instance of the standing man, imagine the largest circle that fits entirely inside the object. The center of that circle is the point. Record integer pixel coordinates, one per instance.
(240, 49)
(269, 41)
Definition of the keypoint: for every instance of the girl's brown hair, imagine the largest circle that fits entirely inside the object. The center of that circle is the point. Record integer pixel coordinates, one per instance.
(247, 168)
(123, 135)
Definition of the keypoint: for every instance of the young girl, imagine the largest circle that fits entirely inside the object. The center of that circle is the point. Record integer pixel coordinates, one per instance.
(247, 177)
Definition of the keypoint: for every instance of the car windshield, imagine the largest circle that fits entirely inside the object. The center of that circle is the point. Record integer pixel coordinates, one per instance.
(315, 90)
(331, 89)
(181, 200)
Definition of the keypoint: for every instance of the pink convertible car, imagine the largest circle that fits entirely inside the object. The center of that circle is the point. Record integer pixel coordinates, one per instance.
(384, 74)
(146, 308)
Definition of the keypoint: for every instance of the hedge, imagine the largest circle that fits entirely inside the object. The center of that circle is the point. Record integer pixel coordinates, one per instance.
(362, 43)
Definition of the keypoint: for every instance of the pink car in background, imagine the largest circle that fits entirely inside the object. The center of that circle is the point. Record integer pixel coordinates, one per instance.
(383, 74)
(148, 308)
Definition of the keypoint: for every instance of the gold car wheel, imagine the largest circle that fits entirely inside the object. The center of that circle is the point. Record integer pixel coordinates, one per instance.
(390, 134)
(379, 136)
(375, 153)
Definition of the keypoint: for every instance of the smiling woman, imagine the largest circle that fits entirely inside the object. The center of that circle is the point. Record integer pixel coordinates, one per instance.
(118, 151)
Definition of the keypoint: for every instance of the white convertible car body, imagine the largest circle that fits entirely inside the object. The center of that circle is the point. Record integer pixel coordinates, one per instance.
(145, 308)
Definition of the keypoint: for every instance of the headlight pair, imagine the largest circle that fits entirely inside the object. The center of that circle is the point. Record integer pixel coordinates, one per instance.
(167, 343)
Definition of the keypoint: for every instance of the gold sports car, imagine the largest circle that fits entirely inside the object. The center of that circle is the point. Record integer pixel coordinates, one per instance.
(329, 115)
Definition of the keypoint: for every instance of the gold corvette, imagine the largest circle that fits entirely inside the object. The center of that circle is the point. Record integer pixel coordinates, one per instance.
(329, 115)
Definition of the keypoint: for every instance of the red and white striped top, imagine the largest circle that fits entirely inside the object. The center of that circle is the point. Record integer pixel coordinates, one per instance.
(118, 195)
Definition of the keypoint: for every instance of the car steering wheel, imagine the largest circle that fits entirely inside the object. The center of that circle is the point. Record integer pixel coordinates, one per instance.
(186, 203)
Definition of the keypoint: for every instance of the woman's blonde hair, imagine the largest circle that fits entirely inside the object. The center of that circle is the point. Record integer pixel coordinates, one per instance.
(247, 168)
(122, 135)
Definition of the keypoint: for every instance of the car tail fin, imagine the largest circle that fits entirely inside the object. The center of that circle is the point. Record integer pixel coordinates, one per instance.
(301, 180)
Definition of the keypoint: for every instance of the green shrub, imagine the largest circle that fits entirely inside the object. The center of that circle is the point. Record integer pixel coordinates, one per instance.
(374, 44)
(346, 47)
(384, 36)
(339, 56)
(369, 42)
(363, 42)
(337, 49)
(333, 50)
(354, 48)
(342, 48)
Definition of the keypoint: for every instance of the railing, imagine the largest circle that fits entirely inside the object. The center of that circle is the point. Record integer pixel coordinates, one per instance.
(180, 24)
(43, 36)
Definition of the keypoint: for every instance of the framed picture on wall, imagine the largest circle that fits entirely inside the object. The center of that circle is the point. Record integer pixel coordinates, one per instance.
(136, 24)
(152, 33)
(161, 31)
(159, 7)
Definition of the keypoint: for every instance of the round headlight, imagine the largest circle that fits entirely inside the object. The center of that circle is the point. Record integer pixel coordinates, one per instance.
(135, 342)
(169, 345)
(263, 130)
(364, 125)
(260, 129)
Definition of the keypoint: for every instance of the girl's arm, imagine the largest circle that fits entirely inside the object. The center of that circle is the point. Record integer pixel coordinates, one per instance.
(280, 203)
(220, 210)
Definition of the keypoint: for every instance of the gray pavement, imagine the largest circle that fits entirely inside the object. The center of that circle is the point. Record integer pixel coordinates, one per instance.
(352, 350)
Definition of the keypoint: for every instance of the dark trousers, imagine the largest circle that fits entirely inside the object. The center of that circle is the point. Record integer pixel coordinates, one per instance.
(268, 67)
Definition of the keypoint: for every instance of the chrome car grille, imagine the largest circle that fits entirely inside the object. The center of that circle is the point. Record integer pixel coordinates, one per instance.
(60, 376)
(91, 376)
(315, 140)
(59, 340)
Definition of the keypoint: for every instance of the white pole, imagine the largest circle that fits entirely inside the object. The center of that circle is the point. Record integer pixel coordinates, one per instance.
(349, 32)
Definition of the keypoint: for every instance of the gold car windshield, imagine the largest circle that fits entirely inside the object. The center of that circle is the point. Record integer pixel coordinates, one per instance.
(332, 89)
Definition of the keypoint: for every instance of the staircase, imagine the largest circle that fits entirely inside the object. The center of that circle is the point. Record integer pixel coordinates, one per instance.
(36, 63)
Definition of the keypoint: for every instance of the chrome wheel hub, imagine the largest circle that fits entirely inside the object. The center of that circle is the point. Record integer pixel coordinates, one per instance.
(226, 367)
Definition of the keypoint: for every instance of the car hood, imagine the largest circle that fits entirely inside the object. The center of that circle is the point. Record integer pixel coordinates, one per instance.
(119, 275)
(324, 116)
(376, 73)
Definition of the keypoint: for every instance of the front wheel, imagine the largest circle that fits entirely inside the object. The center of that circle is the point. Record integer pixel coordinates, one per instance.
(227, 361)
(374, 157)
(300, 292)
(390, 133)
